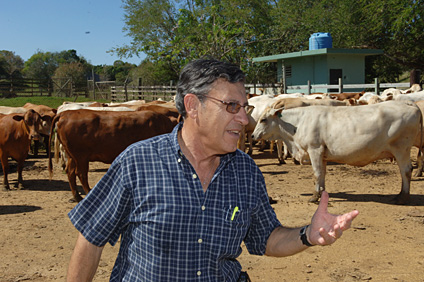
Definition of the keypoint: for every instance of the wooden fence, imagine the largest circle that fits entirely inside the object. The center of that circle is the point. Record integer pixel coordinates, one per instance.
(150, 93)
(28, 87)
(109, 91)
(24, 87)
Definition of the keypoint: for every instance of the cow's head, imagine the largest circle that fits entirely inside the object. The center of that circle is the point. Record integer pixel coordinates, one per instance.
(45, 124)
(268, 125)
(32, 121)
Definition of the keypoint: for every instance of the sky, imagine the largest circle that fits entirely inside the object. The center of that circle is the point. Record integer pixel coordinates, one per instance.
(91, 27)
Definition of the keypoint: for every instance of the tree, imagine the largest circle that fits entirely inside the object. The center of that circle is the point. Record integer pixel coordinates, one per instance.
(11, 64)
(172, 33)
(41, 65)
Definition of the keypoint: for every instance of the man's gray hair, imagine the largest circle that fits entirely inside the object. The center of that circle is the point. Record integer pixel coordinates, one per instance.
(198, 77)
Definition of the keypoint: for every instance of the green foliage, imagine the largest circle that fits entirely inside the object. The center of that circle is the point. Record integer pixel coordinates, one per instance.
(11, 65)
(43, 65)
(119, 72)
(172, 33)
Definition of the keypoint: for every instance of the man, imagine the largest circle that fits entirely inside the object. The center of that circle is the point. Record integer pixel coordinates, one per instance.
(184, 202)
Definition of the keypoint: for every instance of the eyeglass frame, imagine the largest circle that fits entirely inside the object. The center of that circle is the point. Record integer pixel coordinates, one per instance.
(235, 105)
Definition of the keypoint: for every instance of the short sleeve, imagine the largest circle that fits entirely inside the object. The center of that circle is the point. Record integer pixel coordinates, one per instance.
(103, 213)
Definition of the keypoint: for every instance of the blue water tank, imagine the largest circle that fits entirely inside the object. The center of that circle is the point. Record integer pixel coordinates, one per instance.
(320, 40)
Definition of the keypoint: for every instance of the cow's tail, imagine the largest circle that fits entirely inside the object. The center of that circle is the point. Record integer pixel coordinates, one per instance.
(420, 148)
(52, 133)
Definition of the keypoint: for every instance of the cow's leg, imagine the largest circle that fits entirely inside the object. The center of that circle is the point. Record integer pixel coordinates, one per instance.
(250, 141)
(241, 144)
(5, 166)
(319, 167)
(405, 167)
(20, 183)
(280, 152)
(35, 148)
(286, 153)
(72, 178)
(82, 172)
(420, 163)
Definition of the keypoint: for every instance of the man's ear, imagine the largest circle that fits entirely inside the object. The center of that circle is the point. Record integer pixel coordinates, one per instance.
(191, 103)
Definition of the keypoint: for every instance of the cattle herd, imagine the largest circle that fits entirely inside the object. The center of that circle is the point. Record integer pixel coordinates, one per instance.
(348, 128)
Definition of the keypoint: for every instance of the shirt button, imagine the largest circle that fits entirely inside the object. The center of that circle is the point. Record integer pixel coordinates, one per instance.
(194, 176)
(200, 241)
(203, 208)
(199, 273)
(179, 160)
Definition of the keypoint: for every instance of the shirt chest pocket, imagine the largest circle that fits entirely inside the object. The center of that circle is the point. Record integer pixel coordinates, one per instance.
(237, 218)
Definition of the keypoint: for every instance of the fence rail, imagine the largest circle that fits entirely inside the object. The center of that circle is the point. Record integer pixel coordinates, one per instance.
(108, 91)
(24, 88)
(148, 93)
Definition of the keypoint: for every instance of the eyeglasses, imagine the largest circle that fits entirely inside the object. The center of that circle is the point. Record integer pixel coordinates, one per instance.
(232, 107)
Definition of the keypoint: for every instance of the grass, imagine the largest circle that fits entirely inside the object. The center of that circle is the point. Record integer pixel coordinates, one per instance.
(52, 102)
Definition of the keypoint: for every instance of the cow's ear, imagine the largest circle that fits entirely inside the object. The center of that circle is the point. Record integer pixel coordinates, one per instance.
(18, 117)
(278, 112)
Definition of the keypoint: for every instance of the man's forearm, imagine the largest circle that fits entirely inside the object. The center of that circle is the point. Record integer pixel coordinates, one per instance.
(84, 260)
(284, 242)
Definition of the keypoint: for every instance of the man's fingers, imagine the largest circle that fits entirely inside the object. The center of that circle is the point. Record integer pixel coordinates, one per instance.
(323, 203)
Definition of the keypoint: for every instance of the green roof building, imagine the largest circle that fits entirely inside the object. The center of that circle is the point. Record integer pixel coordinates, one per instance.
(320, 67)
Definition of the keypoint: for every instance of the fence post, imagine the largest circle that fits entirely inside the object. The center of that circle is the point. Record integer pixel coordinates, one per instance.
(126, 92)
(377, 86)
(139, 88)
(94, 84)
(340, 85)
(309, 87)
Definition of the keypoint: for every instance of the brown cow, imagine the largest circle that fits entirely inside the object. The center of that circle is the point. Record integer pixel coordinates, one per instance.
(101, 136)
(171, 112)
(47, 114)
(16, 133)
(344, 96)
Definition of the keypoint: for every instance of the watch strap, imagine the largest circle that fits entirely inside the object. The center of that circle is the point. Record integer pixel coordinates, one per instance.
(303, 236)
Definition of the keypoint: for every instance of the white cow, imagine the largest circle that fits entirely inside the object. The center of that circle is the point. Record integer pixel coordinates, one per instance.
(369, 98)
(259, 104)
(412, 89)
(12, 110)
(413, 97)
(350, 135)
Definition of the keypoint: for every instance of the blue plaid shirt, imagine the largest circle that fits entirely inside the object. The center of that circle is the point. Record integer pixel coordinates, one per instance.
(171, 230)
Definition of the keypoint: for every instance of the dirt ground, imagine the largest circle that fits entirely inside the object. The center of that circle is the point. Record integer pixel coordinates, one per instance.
(386, 242)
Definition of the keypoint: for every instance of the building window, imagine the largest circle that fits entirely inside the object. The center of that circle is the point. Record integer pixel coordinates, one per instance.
(288, 71)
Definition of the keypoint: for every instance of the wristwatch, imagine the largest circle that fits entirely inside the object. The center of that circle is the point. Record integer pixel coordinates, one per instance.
(303, 236)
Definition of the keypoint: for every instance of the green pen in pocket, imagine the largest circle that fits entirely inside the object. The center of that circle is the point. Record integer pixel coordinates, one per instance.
(236, 209)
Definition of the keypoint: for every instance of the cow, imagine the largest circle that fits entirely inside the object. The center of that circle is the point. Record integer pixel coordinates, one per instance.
(412, 89)
(344, 96)
(369, 98)
(414, 97)
(89, 136)
(169, 111)
(48, 114)
(5, 110)
(16, 133)
(349, 135)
